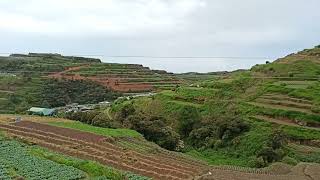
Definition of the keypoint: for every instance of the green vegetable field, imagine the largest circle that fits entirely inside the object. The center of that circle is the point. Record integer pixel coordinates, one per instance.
(17, 162)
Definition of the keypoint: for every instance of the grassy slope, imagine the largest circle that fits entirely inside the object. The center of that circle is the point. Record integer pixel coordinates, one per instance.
(97, 130)
(247, 145)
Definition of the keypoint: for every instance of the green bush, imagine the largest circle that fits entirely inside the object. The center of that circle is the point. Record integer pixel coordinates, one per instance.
(188, 117)
(289, 160)
(95, 118)
(255, 162)
(62, 92)
(154, 129)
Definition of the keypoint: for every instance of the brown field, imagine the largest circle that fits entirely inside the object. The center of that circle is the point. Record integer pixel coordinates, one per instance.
(115, 83)
(10, 118)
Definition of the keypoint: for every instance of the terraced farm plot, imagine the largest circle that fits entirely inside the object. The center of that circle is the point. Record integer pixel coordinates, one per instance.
(103, 150)
(285, 110)
(275, 101)
(296, 84)
(285, 98)
(119, 77)
(282, 107)
(304, 149)
(288, 103)
(283, 122)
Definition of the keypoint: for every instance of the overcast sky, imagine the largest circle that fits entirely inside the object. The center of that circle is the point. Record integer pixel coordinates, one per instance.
(224, 28)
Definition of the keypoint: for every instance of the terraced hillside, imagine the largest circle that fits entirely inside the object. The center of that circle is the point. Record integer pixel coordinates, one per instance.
(52, 80)
(277, 102)
(122, 78)
(247, 118)
(118, 77)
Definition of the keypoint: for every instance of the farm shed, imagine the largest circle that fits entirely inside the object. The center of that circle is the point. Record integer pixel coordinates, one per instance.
(41, 111)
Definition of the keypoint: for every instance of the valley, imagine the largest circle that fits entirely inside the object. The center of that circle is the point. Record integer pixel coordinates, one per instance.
(259, 123)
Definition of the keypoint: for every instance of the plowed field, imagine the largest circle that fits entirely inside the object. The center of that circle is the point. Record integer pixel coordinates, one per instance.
(99, 148)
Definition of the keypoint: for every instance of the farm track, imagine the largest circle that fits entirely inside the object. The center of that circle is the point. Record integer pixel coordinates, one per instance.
(281, 107)
(286, 98)
(283, 122)
(284, 103)
(304, 149)
(96, 147)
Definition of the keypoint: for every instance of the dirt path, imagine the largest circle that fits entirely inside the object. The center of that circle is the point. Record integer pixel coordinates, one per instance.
(62, 73)
(286, 108)
(303, 171)
(283, 122)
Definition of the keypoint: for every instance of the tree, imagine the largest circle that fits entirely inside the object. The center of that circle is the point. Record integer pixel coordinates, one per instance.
(154, 129)
(273, 149)
(277, 140)
(222, 124)
(268, 155)
(126, 111)
(188, 117)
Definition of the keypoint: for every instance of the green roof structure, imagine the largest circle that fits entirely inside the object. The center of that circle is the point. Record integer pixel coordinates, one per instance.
(41, 111)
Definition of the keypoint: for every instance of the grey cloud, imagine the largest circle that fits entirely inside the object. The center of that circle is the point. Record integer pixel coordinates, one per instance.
(164, 28)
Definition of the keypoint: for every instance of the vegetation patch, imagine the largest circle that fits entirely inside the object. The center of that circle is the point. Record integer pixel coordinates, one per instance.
(97, 130)
(17, 162)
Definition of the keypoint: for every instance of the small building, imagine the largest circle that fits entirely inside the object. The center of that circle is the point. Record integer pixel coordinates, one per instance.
(104, 103)
(4, 74)
(41, 111)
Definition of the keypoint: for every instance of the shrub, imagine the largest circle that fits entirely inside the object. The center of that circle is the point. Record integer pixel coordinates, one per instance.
(62, 92)
(154, 129)
(103, 120)
(255, 162)
(188, 117)
(94, 118)
(289, 160)
(125, 112)
(268, 155)
(273, 152)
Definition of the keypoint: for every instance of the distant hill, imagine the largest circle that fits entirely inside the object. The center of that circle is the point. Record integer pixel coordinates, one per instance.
(39, 79)
(305, 63)
(117, 77)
